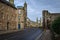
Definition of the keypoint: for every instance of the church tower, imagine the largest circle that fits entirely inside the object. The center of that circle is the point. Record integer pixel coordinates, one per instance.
(25, 6)
(25, 9)
(25, 14)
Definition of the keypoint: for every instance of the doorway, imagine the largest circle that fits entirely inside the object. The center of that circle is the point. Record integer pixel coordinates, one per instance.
(18, 26)
(7, 25)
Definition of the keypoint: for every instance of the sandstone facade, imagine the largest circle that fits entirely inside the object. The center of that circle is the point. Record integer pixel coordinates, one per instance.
(48, 18)
(33, 23)
(22, 15)
(8, 16)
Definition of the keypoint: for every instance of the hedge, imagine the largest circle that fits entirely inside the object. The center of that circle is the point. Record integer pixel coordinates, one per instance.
(56, 25)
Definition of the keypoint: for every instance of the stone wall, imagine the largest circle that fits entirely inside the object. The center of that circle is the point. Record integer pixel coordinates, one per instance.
(22, 18)
(48, 18)
(8, 17)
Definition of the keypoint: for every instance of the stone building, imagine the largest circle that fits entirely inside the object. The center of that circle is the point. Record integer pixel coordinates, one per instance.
(31, 23)
(48, 18)
(28, 23)
(8, 16)
(22, 16)
(40, 22)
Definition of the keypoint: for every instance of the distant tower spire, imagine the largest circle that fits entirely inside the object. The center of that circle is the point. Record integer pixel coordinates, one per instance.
(40, 20)
(37, 19)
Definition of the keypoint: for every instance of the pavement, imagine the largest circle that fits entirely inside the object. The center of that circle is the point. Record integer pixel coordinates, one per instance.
(58, 38)
(8, 31)
(46, 35)
(26, 34)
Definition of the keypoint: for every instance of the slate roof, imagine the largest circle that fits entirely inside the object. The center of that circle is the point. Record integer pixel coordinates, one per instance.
(19, 7)
(54, 13)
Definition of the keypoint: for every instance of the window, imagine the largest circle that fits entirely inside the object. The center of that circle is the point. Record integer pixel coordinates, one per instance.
(1, 15)
(19, 12)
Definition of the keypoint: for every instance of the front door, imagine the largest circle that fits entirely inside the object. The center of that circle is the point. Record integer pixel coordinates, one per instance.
(18, 26)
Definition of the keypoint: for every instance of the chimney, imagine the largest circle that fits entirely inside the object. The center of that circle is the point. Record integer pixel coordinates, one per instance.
(7, 0)
(11, 1)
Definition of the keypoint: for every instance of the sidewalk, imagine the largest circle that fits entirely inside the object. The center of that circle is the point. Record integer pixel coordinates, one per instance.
(9, 31)
(47, 35)
(58, 38)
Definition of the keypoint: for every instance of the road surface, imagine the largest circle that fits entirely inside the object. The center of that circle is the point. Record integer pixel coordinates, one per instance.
(26, 34)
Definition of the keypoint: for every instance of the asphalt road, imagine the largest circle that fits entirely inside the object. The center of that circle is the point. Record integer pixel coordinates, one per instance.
(26, 34)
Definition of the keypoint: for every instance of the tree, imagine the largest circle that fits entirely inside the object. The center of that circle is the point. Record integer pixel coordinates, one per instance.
(56, 25)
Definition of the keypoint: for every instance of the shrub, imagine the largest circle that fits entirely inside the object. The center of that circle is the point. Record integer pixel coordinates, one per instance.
(56, 25)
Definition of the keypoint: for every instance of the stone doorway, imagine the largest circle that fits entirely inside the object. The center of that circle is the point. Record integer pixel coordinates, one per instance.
(18, 26)
(7, 25)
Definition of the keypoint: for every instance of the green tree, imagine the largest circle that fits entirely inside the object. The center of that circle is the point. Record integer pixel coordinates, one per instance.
(56, 25)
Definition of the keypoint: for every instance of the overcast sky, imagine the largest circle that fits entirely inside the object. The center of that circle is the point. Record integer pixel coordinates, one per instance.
(35, 7)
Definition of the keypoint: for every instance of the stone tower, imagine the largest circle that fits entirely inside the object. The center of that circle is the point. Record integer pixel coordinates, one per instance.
(45, 13)
(40, 20)
(25, 13)
(25, 7)
(37, 21)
